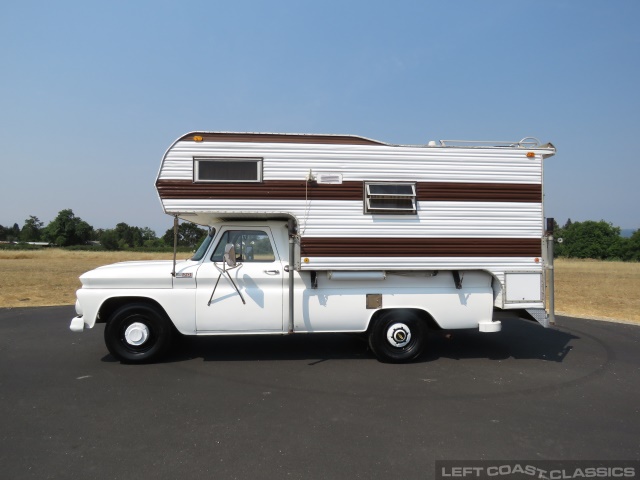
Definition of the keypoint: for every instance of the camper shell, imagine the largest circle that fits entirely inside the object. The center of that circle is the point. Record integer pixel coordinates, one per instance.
(361, 205)
(361, 235)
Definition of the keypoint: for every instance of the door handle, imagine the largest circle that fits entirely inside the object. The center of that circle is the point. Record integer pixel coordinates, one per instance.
(272, 272)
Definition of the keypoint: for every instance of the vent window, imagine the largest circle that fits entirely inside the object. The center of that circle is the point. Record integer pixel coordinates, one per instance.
(227, 169)
(390, 198)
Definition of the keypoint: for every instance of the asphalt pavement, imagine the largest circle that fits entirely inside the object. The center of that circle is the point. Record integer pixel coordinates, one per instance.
(311, 406)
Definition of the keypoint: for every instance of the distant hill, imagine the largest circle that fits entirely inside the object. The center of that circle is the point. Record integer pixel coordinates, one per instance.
(626, 232)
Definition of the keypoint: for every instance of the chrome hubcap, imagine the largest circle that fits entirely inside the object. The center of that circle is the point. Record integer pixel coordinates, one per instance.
(136, 334)
(398, 335)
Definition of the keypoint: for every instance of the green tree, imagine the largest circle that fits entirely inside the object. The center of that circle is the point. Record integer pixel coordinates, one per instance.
(148, 234)
(129, 236)
(632, 248)
(67, 229)
(149, 238)
(13, 233)
(124, 236)
(10, 234)
(189, 235)
(589, 239)
(96, 234)
(109, 239)
(31, 230)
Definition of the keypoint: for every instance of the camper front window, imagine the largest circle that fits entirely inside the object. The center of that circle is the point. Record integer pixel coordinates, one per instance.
(214, 169)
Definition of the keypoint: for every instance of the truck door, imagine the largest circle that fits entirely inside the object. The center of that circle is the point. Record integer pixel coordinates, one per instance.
(258, 276)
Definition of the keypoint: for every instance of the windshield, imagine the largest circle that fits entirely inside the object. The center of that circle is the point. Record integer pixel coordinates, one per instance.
(204, 246)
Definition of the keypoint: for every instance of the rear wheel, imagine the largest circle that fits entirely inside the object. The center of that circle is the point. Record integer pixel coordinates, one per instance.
(398, 337)
(138, 333)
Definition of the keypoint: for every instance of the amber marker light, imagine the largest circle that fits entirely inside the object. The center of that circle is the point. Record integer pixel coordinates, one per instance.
(306, 260)
(537, 260)
(530, 154)
(198, 138)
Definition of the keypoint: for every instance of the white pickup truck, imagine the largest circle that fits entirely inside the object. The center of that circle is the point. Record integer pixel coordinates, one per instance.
(236, 283)
(335, 233)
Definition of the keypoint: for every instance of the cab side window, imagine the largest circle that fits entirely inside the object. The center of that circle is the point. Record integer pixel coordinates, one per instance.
(250, 246)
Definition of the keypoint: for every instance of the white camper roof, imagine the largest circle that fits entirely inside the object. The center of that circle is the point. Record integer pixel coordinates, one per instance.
(341, 139)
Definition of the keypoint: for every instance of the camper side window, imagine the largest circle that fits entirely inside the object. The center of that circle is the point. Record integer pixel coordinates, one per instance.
(390, 198)
(214, 169)
(250, 246)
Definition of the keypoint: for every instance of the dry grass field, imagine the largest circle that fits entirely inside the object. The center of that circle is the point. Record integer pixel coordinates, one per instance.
(50, 277)
(591, 288)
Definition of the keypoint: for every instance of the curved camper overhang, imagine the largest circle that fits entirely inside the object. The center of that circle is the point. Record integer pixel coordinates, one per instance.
(208, 218)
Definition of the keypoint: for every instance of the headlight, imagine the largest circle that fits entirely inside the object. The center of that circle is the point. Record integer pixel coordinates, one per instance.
(78, 308)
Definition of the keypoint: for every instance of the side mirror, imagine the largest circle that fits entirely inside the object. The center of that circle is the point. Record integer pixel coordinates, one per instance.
(230, 255)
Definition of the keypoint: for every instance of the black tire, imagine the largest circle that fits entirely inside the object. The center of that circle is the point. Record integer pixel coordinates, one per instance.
(398, 337)
(138, 333)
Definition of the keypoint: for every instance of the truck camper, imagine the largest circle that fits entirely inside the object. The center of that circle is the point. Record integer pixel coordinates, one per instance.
(335, 233)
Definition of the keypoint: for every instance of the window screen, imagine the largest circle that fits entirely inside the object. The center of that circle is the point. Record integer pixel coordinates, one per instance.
(390, 198)
(227, 169)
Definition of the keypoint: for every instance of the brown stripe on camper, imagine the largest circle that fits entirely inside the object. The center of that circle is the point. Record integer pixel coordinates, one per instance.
(479, 192)
(271, 189)
(420, 247)
(298, 190)
(280, 138)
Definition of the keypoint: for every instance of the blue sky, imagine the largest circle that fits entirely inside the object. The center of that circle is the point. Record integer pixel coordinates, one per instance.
(93, 93)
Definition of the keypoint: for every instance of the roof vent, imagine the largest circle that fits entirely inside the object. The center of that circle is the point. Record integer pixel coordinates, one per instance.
(329, 178)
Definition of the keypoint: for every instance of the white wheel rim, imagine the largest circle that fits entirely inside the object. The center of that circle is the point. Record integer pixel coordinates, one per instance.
(136, 334)
(398, 335)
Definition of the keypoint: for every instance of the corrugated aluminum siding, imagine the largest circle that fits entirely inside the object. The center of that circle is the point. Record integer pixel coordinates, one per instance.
(355, 162)
(333, 218)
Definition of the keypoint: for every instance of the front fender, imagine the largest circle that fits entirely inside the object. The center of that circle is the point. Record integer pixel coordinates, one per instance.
(178, 304)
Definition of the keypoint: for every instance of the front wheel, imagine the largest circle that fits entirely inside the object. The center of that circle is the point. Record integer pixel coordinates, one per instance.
(397, 338)
(137, 333)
